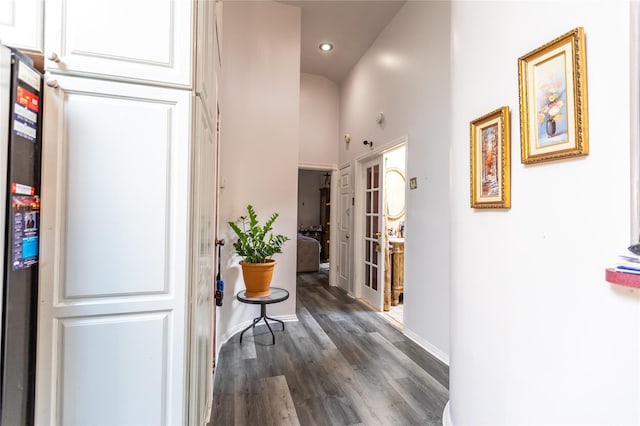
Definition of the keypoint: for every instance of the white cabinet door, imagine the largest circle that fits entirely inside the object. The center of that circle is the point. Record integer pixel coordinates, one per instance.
(21, 24)
(206, 52)
(113, 269)
(143, 40)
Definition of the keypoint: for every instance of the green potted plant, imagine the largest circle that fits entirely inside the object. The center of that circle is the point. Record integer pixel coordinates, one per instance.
(256, 244)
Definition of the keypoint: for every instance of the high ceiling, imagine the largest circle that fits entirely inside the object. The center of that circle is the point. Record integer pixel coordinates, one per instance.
(351, 26)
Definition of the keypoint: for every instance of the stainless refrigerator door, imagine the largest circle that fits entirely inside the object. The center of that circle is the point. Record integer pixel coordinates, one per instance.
(5, 111)
(20, 213)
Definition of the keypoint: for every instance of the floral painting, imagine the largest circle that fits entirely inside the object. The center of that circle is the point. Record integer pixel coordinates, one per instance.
(553, 100)
(491, 160)
(551, 95)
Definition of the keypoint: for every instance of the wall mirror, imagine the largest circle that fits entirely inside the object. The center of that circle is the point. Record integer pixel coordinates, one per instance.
(395, 182)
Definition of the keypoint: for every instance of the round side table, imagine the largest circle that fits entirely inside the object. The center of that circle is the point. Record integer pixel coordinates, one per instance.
(277, 295)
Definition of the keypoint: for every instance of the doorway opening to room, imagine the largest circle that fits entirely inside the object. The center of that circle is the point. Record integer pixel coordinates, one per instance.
(380, 232)
(395, 187)
(315, 210)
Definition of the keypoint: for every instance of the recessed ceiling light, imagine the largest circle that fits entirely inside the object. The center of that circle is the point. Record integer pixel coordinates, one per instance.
(326, 47)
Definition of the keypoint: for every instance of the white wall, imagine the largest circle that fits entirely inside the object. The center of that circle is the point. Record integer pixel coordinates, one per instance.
(309, 184)
(396, 158)
(319, 102)
(259, 100)
(405, 74)
(538, 336)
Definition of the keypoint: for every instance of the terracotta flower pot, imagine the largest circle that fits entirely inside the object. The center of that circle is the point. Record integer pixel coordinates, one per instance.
(257, 277)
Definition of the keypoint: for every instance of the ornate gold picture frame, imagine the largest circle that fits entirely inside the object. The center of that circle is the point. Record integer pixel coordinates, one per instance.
(553, 100)
(491, 160)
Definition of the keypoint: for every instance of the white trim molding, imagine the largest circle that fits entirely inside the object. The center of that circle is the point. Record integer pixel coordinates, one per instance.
(333, 230)
(317, 166)
(446, 415)
(427, 346)
(388, 146)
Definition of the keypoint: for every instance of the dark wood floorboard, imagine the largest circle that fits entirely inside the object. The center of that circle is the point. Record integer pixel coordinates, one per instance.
(340, 364)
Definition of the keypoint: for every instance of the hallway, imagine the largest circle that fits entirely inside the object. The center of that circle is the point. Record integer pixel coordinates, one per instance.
(340, 364)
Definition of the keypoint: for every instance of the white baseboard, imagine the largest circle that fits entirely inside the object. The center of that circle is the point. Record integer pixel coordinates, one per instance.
(244, 324)
(427, 346)
(446, 416)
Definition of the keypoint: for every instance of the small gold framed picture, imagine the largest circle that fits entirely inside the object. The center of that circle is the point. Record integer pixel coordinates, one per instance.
(491, 161)
(553, 100)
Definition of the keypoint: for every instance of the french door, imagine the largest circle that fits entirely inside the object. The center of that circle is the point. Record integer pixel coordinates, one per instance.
(372, 283)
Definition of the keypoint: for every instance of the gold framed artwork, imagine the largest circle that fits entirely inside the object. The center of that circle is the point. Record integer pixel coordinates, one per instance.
(491, 160)
(553, 100)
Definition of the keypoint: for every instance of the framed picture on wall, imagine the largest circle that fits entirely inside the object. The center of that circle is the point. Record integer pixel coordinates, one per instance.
(491, 160)
(553, 100)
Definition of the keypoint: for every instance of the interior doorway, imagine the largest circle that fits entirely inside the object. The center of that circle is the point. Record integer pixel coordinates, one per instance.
(381, 230)
(315, 211)
(395, 187)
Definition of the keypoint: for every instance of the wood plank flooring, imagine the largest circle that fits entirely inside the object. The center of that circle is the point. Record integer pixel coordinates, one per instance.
(340, 364)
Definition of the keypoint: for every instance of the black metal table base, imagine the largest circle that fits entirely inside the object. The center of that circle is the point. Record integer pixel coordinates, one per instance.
(263, 316)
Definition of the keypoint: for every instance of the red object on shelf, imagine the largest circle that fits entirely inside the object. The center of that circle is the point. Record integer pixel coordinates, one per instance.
(622, 278)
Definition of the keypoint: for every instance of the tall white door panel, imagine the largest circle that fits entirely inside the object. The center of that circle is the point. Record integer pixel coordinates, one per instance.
(21, 23)
(206, 52)
(345, 225)
(374, 239)
(203, 256)
(113, 272)
(145, 40)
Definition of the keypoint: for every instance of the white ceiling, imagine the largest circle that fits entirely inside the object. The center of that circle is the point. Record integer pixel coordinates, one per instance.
(351, 26)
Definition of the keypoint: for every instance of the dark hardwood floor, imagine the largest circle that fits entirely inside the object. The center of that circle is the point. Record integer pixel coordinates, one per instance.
(340, 364)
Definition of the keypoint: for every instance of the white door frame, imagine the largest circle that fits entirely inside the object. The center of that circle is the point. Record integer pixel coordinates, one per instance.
(333, 211)
(358, 223)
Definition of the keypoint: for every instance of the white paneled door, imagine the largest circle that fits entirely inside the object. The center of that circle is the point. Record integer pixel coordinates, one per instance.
(372, 283)
(113, 269)
(345, 224)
